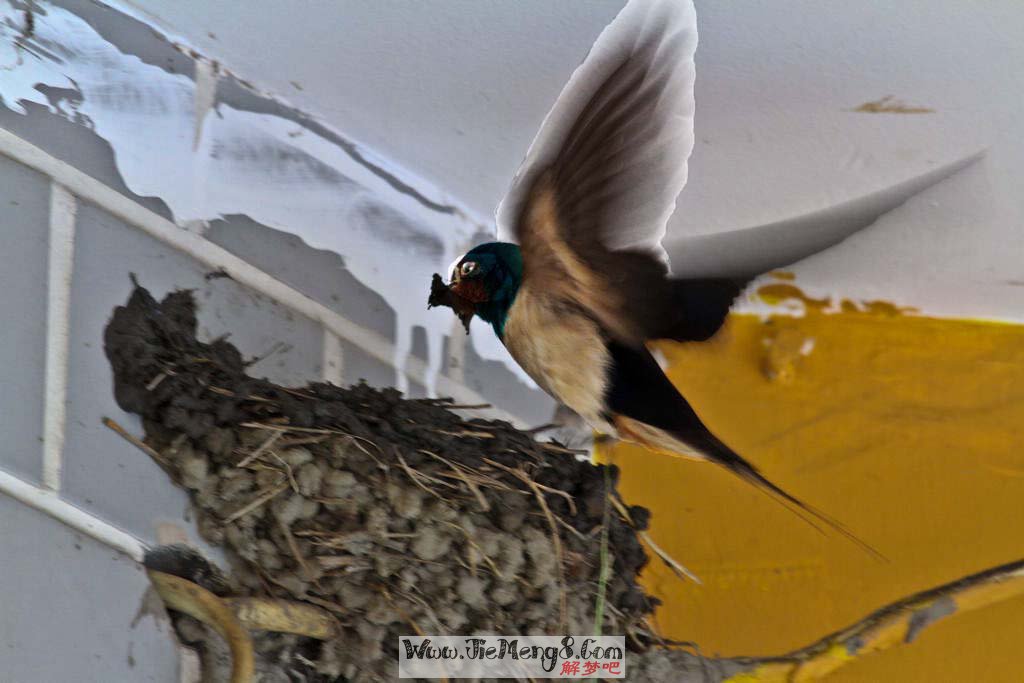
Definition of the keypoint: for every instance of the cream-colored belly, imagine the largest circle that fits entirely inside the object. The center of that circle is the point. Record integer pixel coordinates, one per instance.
(563, 351)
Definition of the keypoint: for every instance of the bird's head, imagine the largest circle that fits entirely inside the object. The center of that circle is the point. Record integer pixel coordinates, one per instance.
(484, 282)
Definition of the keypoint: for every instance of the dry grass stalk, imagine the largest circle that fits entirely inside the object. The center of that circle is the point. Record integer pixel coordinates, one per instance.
(462, 475)
(304, 441)
(230, 394)
(673, 564)
(416, 476)
(135, 441)
(475, 475)
(555, 448)
(288, 428)
(476, 547)
(476, 434)
(426, 608)
(256, 502)
(294, 547)
(287, 471)
(261, 449)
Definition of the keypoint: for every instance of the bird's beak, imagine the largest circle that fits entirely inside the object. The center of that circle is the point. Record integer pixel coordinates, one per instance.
(455, 284)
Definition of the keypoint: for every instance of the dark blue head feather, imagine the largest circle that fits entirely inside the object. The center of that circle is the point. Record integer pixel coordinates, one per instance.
(499, 267)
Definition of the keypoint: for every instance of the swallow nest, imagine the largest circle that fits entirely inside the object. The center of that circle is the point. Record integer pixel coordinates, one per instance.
(395, 515)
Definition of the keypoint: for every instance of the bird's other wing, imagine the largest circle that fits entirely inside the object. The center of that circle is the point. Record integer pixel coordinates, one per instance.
(590, 203)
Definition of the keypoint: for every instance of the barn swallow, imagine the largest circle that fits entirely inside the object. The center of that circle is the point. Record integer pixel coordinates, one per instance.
(581, 283)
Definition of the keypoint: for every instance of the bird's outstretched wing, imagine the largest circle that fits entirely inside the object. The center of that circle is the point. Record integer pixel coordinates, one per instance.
(590, 202)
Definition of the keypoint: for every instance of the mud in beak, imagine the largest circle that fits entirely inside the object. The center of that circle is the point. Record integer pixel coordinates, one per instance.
(448, 295)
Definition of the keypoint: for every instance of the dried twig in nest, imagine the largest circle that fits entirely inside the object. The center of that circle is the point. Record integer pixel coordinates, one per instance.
(274, 436)
(137, 442)
(673, 564)
(416, 476)
(256, 502)
(286, 531)
(464, 477)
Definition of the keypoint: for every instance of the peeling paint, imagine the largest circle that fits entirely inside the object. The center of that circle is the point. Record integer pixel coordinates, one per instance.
(926, 616)
(791, 299)
(890, 105)
(875, 307)
(776, 294)
(206, 92)
(784, 349)
(209, 147)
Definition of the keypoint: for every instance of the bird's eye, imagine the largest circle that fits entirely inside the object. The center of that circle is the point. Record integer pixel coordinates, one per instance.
(467, 268)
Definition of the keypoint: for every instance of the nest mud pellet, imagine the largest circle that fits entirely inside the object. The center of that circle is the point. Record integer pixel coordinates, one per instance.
(396, 515)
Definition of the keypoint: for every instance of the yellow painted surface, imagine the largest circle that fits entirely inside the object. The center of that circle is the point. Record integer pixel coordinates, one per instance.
(910, 430)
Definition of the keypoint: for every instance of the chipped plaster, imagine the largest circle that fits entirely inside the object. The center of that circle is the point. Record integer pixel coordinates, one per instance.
(208, 146)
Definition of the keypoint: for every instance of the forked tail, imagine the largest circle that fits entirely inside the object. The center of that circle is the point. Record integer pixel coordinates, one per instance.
(709, 446)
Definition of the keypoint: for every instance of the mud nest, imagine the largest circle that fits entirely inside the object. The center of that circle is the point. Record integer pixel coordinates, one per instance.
(396, 515)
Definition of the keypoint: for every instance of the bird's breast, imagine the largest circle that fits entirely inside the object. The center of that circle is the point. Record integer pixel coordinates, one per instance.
(562, 350)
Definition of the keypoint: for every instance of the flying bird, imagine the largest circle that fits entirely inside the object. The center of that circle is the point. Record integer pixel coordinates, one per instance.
(579, 281)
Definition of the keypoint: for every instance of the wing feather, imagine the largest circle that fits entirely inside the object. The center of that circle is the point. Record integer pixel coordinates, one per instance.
(590, 203)
(624, 121)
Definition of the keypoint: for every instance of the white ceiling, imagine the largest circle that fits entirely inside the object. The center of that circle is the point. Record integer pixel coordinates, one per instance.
(454, 90)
